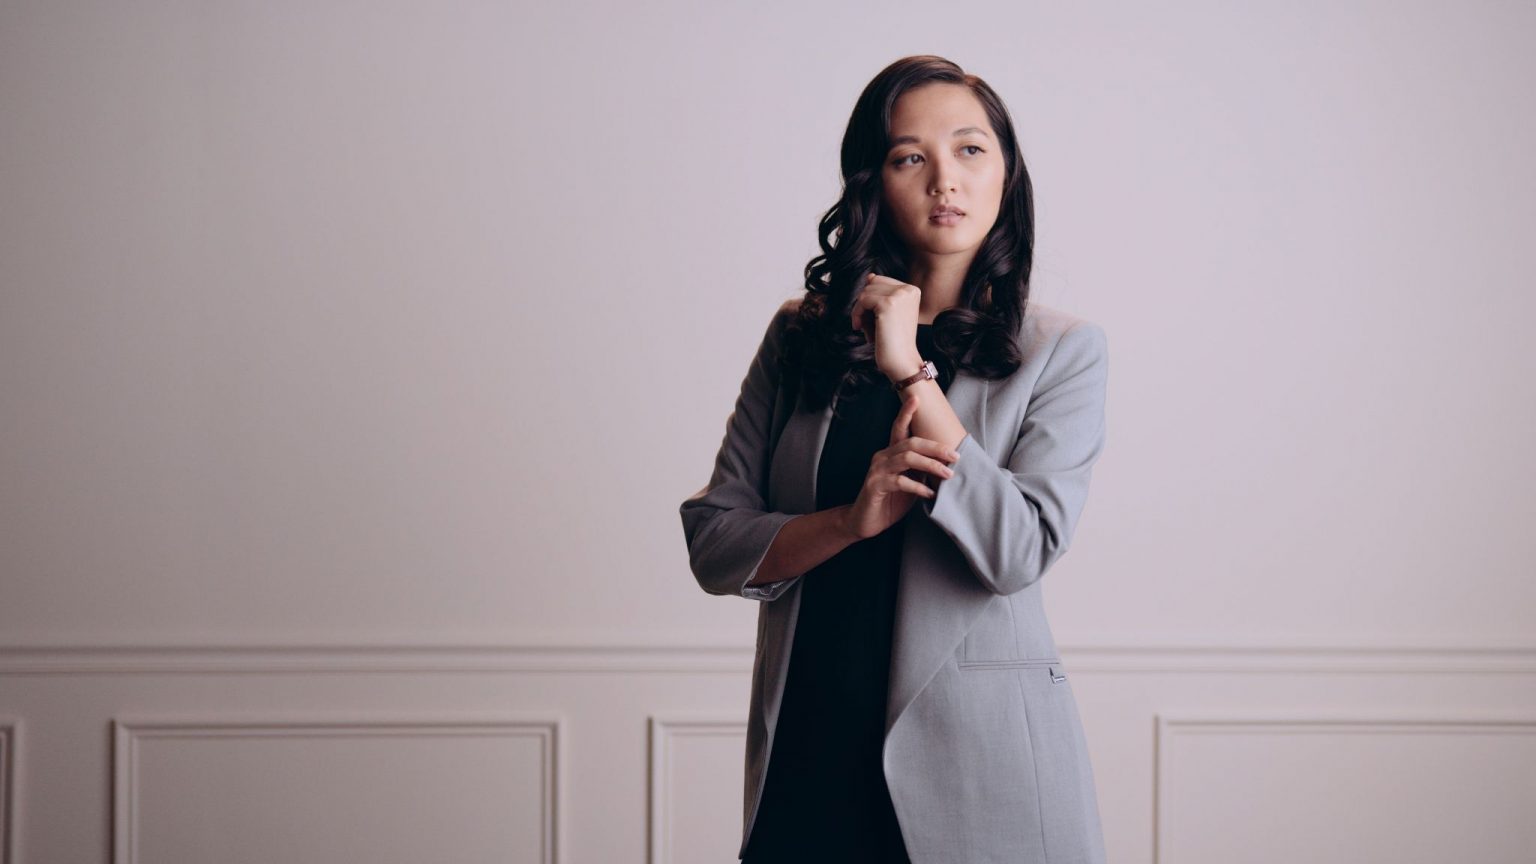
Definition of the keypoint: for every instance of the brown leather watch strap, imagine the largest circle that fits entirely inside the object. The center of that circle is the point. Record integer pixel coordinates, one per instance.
(928, 371)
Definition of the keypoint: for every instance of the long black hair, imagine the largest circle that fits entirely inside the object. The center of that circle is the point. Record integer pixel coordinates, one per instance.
(979, 333)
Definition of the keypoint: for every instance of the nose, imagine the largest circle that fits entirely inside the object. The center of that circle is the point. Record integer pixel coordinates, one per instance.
(942, 173)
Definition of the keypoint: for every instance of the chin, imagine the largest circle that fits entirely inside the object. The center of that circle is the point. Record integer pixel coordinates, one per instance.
(949, 244)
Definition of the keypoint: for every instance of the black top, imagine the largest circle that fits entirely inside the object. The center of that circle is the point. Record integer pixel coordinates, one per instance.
(825, 797)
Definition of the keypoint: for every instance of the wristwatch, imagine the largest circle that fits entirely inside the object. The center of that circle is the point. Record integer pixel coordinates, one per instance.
(928, 371)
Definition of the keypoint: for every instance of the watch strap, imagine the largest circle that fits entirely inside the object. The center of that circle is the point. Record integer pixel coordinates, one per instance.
(929, 371)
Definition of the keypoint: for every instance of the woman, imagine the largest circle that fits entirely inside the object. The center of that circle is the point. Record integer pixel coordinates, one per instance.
(923, 713)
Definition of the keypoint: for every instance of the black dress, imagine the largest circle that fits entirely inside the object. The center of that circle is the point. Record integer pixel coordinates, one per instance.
(825, 797)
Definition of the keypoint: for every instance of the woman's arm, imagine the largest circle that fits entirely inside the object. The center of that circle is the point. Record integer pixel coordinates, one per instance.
(935, 418)
(805, 542)
(1013, 522)
(727, 524)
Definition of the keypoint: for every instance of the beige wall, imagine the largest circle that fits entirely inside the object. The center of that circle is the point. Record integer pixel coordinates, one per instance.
(355, 357)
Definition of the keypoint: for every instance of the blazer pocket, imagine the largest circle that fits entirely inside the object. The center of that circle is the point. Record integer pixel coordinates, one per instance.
(1009, 664)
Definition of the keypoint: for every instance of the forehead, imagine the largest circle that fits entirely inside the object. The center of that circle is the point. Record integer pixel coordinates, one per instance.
(934, 112)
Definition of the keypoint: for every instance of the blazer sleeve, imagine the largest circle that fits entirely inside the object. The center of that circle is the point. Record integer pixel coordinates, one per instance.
(1013, 522)
(727, 524)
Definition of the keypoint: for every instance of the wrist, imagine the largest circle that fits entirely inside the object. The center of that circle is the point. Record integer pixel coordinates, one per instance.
(845, 524)
(905, 369)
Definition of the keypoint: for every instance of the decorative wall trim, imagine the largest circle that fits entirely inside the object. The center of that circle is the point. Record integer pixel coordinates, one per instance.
(1175, 723)
(662, 732)
(128, 732)
(404, 658)
(10, 749)
(732, 658)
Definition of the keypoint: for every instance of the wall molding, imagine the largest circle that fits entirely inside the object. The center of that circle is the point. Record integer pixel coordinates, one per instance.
(1192, 723)
(729, 657)
(127, 732)
(10, 750)
(662, 731)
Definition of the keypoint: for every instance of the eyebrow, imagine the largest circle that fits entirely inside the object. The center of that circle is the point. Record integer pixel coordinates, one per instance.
(913, 139)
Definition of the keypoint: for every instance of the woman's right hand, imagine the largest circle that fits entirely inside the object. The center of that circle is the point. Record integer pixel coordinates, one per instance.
(888, 492)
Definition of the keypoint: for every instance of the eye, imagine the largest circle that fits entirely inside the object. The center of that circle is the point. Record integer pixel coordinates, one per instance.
(903, 160)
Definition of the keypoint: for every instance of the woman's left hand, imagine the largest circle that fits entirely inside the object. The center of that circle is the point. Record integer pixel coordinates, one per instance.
(886, 310)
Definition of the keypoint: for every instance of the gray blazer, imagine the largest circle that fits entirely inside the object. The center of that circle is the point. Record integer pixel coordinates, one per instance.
(984, 750)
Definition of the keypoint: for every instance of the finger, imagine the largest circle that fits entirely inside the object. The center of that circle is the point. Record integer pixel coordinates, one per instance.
(907, 484)
(919, 462)
(903, 424)
(930, 447)
(869, 317)
(909, 402)
(862, 310)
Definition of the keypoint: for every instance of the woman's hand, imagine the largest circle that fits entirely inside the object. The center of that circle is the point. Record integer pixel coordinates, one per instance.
(888, 492)
(886, 310)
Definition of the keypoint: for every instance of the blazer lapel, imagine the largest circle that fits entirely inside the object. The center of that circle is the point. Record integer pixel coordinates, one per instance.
(938, 598)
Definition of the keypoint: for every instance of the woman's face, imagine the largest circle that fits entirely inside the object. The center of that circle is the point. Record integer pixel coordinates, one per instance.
(943, 152)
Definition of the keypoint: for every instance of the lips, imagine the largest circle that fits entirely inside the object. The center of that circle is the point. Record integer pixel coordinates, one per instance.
(945, 210)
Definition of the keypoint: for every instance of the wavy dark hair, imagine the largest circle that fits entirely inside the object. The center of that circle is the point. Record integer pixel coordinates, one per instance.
(979, 333)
